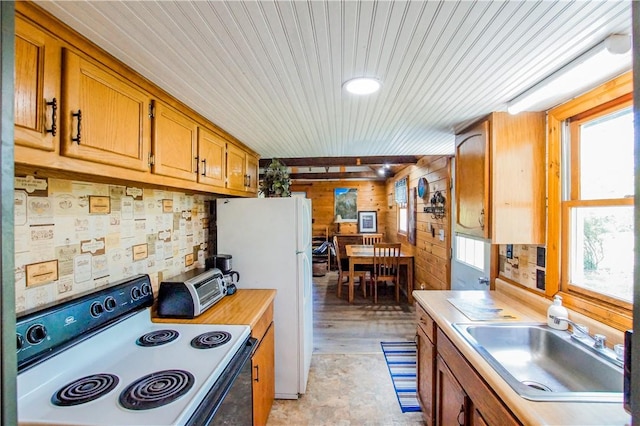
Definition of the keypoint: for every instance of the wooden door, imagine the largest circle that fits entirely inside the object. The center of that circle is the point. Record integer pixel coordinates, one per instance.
(264, 388)
(37, 87)
(174, 143)
(451, 398)
(211, 156)
(252, 174)
(426, 376)
(472, 181)
(113, 126)
(236, 167)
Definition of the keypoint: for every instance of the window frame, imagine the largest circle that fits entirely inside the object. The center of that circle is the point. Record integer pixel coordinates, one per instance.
(613, 94)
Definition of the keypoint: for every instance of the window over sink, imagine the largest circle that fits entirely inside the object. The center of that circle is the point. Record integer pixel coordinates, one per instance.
(590, 237)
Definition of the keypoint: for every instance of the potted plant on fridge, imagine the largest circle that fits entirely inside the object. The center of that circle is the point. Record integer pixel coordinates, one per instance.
(276, 181)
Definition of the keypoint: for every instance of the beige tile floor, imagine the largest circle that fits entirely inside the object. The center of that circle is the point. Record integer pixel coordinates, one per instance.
(349, 382)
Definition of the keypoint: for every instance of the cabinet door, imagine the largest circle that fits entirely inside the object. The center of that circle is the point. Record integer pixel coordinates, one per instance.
(113, 126)
(264, 388)
(174, 146)
(37, 87)
(477, 420)
(211, 155)
(452, 401)
(472, 181)
(426, 376)
(252, 174)
(236, 167)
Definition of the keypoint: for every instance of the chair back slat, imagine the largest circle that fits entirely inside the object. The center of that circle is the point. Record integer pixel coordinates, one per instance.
(372, 239)
(386, 260)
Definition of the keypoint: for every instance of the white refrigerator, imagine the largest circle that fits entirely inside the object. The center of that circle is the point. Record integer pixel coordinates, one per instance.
(270, 241)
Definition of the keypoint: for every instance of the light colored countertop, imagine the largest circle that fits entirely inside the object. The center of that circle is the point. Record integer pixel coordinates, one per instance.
(245, 307)
(528, 412)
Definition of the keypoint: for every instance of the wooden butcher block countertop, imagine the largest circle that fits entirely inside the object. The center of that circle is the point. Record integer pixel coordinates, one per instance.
(245, 307)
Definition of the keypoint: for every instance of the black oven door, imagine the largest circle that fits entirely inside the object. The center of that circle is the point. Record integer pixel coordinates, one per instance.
(230, 400)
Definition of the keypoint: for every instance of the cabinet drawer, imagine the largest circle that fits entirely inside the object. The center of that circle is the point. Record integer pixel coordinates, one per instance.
(425, 322)
(263, 323)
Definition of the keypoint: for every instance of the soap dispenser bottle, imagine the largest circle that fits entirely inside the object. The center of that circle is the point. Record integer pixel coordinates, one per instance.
(557, 310)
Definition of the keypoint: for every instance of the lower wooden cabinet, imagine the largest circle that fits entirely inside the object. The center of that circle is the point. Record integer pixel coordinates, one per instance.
(263, 365)
(450, 391)
(264, 388)
(426, 365)
(452, 401)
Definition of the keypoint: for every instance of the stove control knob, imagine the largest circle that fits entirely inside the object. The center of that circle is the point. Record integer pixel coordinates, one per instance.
(36, 334)
(110, 303)
(96, 309)
(146, 289)
(135, 293)
(20, 341)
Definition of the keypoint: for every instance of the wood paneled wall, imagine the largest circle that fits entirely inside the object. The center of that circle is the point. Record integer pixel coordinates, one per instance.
(432, 255)
(432, 260)
(371, 197)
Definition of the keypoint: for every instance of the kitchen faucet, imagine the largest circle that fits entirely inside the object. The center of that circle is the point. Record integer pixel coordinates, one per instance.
(595, 342)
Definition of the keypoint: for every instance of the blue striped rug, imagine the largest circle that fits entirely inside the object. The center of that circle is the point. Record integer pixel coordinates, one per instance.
(401, 360)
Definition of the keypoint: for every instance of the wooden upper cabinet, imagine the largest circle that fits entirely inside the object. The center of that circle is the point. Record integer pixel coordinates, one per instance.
(500, 179)
(175, 139)
(212, 151)
(37, 87)
(472, 179)
(105, 117)
(243, 170)
(252, 173)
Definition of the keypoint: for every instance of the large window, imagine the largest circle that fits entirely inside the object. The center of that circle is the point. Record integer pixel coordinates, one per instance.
(597, 205)
(590, 189)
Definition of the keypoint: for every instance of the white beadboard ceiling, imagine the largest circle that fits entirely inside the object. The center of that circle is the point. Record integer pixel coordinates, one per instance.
(271, 72)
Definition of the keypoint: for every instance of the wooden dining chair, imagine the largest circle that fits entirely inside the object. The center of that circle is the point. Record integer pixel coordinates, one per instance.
(369, 240)
(343, 270)
(386, 267)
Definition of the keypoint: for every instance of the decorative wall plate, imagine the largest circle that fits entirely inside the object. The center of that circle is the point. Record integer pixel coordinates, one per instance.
(423, 188)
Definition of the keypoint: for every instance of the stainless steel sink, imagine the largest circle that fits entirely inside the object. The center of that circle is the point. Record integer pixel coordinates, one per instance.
(543, 364)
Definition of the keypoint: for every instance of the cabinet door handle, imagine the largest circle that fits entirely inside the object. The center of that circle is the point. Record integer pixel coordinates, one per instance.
(257, 379)
(79, 115)
(481, 220)
(54, 116)
(204, 167)
(461, 412)
(197, 161)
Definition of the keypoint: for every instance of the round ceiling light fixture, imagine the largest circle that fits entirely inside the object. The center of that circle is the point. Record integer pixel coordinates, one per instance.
(362, 85)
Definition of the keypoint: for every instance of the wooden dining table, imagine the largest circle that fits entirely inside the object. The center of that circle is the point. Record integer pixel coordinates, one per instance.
(363, 255)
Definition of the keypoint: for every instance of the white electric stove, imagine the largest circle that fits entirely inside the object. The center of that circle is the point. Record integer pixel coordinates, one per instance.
(129, 371)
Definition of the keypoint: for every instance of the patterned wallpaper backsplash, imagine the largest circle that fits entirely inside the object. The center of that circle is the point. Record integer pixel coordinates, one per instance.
(72, 237)
(524, 264)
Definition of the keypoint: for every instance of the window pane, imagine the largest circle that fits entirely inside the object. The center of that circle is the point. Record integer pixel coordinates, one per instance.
(601, 251)
(470, 252)
(606, 157)
(402, 220)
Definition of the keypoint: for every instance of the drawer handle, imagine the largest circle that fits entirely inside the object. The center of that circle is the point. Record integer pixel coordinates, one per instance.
(79, 115)
(54, 117)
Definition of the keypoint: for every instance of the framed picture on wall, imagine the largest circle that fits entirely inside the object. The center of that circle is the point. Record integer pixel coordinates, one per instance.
(367, 222)
(345, 204)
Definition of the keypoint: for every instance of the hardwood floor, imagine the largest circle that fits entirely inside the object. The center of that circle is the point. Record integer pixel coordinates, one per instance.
(349, 382)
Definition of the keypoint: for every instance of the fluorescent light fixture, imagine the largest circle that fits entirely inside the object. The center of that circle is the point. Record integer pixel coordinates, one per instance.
(362, 85)
(596, 66)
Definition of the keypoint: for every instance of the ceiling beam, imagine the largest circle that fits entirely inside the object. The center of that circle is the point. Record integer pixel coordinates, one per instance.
(343, 161)
(338, 176)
